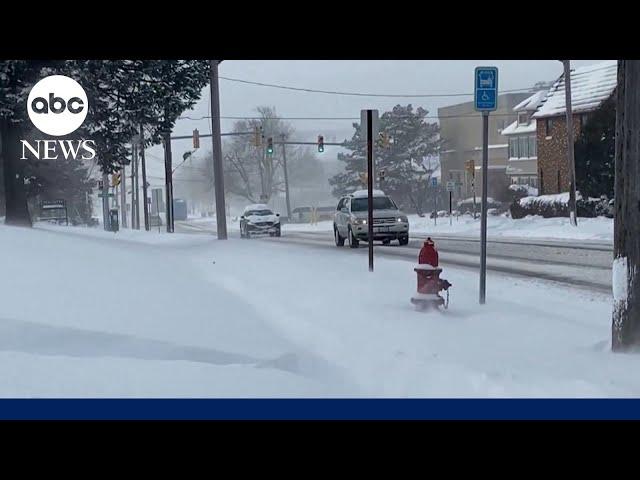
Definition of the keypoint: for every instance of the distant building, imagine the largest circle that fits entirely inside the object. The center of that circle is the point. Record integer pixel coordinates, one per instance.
(461, 133)
(590, 87)
(522, 163)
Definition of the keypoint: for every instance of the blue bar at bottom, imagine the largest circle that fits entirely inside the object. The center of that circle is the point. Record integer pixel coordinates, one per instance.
(320, 409)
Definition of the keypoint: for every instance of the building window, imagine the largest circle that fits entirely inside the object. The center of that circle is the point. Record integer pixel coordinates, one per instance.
(533, 182)
(523, 118)
(547, 127)
(513, 147)
(523, 147)
(532, 146)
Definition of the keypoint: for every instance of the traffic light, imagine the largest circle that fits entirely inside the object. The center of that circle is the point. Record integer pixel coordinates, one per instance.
(320, 143)
(257, 136)
(470, 167)
(115, 179)
(100, 185)
(270, 146)
(381, 175)
(196, 139)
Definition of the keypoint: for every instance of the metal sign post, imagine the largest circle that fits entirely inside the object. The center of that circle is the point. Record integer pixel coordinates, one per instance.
(485, 101)
(434, 184)
(369, 125)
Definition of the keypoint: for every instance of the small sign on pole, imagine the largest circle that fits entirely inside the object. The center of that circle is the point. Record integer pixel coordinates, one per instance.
(486, 91)
(485, 100)
(450, 185)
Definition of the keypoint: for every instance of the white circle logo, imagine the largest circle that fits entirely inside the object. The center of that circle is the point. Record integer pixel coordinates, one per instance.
(57, 105)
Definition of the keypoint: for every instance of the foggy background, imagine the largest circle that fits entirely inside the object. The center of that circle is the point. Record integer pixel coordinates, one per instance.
(366, 76)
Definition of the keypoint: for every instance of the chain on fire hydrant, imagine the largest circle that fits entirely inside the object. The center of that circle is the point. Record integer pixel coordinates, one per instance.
(429, 282)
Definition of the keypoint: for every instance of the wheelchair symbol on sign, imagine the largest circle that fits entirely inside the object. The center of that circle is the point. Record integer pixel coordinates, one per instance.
(485, 97)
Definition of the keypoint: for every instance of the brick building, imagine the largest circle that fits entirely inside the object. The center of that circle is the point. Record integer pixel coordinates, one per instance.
(522, 164)
(590, 87)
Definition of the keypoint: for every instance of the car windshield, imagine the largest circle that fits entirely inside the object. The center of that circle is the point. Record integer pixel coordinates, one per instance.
(379, 203)
(259, 212)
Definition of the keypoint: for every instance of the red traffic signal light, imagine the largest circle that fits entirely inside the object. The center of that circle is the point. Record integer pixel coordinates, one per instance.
(320, 143)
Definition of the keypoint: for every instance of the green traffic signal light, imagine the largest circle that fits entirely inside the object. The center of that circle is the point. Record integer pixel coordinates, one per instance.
(270, 146)
(320, 148)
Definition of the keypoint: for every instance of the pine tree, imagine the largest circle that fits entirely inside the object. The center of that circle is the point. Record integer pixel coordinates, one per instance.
(406, 178)
(122, 95)
(595, 152)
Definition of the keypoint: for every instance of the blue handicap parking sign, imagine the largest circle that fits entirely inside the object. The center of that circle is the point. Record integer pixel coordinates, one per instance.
(486, 89)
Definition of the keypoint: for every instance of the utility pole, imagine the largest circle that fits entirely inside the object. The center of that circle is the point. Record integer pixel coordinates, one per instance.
(570, 156)
(105, 201)
(133, 186)
(625, 328)
(218, 169)
(168, 181)
(145, 203)
(286, 177)
(123, 197)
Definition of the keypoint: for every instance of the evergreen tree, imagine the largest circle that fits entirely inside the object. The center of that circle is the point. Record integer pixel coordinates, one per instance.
(412, 138)
(122, 95)
(595, 152)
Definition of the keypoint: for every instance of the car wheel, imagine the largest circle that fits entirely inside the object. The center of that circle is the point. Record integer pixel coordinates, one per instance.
(337, 237)
(278, 233)
(353, 241)
(386, 242)
(403, 240)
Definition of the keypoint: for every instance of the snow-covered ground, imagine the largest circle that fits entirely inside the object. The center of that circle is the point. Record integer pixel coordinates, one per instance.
(88, 313)
(599, 228)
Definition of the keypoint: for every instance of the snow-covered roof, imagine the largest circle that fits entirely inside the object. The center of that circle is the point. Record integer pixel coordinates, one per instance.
(516, 128)
(532, 103)
(256, 206)
(363, 193)
(590, 86)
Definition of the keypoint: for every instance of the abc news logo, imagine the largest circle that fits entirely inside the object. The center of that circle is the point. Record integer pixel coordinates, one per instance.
(58, 105)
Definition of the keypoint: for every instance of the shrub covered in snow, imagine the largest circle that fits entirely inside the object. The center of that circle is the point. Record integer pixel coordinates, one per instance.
(557, 205)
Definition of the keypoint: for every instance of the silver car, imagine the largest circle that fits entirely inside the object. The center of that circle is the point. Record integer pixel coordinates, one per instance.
(350, 220)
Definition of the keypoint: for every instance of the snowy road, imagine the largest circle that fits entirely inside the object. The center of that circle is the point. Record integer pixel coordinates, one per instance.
(582, 263)
(92, 313)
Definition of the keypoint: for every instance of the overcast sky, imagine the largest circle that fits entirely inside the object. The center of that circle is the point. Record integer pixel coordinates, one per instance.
(383, 77)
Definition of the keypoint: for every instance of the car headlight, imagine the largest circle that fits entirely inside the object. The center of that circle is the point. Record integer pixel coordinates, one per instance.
(402, 219)
(360, 221)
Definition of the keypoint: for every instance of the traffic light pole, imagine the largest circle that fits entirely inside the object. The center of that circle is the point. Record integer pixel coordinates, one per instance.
(168, 180)
(286, 178)
(218, 171)
(145, 205)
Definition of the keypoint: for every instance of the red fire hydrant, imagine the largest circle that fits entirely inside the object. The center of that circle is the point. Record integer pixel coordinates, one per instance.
(429, 282)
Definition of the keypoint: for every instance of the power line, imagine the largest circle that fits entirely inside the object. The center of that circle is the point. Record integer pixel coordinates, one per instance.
(478, 115)
(360, 94)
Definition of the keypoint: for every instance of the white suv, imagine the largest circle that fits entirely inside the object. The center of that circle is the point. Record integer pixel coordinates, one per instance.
(350, 220)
